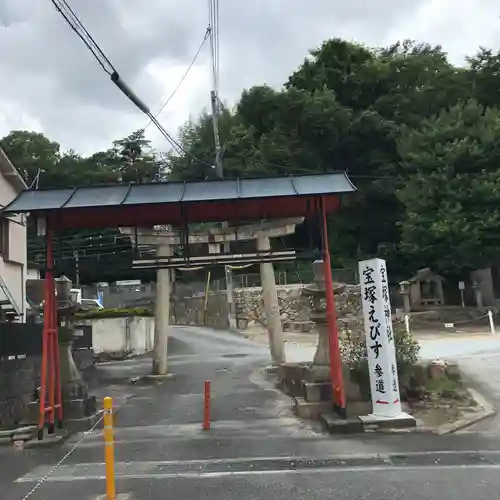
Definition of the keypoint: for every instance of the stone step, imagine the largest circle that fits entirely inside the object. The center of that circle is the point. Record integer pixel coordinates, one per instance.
(313, 411)
(315, 392)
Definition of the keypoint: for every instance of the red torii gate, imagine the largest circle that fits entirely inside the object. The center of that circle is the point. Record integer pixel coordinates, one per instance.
(178, 204)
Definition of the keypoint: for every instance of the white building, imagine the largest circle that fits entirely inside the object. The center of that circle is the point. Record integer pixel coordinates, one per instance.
(13, 251)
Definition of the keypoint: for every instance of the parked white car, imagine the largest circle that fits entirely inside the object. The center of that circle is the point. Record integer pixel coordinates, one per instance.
(91, 304)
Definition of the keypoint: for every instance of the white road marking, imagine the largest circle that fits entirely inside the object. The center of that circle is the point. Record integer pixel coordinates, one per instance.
(212, 475)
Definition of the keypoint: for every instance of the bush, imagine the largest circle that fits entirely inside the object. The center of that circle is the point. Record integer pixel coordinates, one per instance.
(115, 313)
(355, 355)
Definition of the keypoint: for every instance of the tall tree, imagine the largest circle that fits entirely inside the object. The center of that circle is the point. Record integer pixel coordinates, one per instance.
(451, 194)
(31, 153)
(135, 160)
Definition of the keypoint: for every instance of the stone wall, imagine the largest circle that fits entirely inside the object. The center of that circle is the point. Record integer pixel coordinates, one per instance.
(295, 307)
(192, 310)
(19, 382)
(19, 379)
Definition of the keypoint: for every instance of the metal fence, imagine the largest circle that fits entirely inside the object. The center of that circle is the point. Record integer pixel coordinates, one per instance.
(348, 276)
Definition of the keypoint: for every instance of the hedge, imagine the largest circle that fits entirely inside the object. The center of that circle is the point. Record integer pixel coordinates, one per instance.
(115, 313)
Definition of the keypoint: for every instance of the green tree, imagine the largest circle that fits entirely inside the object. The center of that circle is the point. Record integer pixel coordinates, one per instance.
(34, 155)
(197, 142)
(134, 160)
(404, 82)
(31, 153)
(452, 194)
(484, 68)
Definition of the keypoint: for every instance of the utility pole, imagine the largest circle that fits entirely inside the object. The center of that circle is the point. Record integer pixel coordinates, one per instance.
(77, 269)
(228, 272)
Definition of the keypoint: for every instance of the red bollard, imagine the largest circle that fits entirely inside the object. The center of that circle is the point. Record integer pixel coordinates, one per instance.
(206, 407)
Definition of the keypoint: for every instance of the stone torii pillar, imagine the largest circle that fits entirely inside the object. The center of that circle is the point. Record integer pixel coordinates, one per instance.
(165, 240)
(162, 314)
(271, 304)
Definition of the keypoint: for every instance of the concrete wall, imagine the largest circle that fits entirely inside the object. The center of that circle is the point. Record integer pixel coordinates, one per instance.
(32, 273)
(121, 336)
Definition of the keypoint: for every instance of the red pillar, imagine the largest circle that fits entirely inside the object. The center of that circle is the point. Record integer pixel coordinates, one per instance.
(50, 386)
(57, 364)
(335, 357)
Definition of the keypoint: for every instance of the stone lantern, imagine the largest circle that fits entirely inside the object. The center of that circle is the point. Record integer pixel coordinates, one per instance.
(316, 293)
(316, 377)
(476, 286)
(404, 290)
(310, 383)
(76, 401)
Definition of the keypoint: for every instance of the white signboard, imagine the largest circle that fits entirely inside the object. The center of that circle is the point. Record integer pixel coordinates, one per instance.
(379, 338)
(461, 285)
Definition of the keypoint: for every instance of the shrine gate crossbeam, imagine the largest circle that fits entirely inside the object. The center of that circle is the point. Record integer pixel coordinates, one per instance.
(176, 203)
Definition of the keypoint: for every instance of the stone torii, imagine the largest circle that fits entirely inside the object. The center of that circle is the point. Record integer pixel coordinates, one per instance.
(165, 240)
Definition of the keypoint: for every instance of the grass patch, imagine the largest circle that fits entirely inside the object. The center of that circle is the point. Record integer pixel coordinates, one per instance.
(445, 387)
(116, 313)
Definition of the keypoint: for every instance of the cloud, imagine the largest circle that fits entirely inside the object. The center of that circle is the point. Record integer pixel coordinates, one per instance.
(51, 83)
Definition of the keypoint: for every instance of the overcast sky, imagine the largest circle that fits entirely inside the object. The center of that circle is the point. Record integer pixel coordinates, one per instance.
(50, 83)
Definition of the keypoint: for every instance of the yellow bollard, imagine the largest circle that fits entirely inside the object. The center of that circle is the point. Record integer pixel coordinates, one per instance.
(109, 449)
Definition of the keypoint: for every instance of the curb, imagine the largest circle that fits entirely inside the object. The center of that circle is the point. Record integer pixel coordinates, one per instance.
(49, 441)
(488, 411)
(487, 408)
(151, 379)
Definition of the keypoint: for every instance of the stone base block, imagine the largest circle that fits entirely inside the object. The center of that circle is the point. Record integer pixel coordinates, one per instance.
(79, 407)
(315, 392)
(32, 412)
(81, 424)
(313, 411)
(290, 376)
(374, 422)
(336, 425)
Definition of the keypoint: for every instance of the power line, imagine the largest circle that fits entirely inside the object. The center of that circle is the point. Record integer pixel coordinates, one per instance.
(181, 81)
(77, 26)
(302, 170)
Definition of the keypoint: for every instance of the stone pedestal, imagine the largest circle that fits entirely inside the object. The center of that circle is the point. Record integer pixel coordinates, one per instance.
(478, 295)
(77, 404)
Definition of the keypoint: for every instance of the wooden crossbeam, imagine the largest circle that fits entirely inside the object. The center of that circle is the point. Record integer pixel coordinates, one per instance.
(216, 260)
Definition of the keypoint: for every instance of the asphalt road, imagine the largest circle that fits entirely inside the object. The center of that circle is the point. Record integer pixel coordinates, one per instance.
(255, 450)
